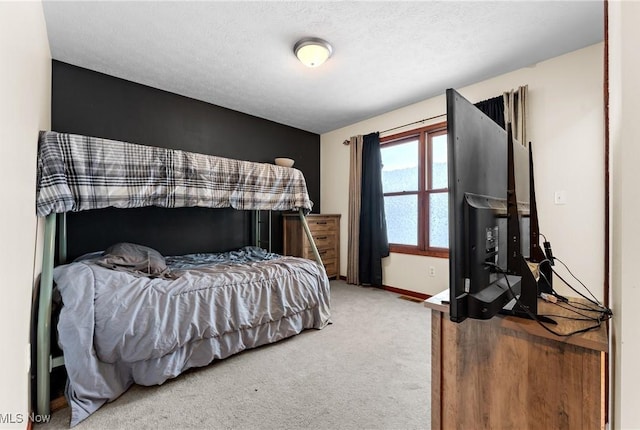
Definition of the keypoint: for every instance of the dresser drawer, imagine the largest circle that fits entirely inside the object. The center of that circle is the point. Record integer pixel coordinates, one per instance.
(325, 231)
(331, 269)
(326, 255)
(321, 225)
(323, 240)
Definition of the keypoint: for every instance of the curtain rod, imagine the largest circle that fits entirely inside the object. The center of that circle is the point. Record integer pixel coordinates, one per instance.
(415, 122)
(347, 142)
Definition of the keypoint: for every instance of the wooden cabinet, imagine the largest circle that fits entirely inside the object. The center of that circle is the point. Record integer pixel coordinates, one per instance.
(509, 373)
(325, 230)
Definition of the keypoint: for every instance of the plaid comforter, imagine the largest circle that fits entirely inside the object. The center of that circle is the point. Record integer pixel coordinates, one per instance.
(78, 173)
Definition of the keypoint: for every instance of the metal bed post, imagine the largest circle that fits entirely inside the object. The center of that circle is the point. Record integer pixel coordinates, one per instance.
(303, 219)
(43, 356)
(256, 227)
(62, 238)
(270, 231)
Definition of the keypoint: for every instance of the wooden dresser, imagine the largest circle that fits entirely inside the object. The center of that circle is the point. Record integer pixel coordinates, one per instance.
(325, 230)
(509, 373)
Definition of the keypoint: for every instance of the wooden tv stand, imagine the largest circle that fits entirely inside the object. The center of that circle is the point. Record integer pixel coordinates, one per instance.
(509, 373)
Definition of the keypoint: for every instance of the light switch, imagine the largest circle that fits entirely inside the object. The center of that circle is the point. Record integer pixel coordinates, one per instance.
(560, 198)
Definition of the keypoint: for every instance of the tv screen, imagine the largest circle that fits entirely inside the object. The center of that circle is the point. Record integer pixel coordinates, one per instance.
(484, 268)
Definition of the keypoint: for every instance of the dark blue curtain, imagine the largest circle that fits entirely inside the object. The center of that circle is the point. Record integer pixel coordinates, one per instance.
(494, 109)
(373, 241)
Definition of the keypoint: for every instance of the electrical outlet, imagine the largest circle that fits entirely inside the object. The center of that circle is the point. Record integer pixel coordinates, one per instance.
(432, 271)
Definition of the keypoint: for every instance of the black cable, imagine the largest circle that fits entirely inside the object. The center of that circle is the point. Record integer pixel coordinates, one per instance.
(584, 306)
(545, 278)
(577, 305)
(601, 308)
(532, 315)
(585, 287)
(604, 308)
(565, 317)
(553, 292)
(576, 311)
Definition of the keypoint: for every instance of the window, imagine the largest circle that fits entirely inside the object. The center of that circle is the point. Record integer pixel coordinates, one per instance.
(415, 185)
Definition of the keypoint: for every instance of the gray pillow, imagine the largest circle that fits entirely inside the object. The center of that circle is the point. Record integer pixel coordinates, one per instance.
(134, 258)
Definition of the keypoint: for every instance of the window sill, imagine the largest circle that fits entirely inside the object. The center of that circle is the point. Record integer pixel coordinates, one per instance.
(412, 250)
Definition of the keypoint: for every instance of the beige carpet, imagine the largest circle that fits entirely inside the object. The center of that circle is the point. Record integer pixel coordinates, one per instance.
(370, 369)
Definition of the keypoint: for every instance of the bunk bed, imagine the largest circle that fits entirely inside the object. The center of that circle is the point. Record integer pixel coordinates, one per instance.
(123, 323)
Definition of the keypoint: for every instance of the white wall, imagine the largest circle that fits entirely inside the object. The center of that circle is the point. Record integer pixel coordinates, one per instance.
(25, 108)
(566, 128)
(624, 69)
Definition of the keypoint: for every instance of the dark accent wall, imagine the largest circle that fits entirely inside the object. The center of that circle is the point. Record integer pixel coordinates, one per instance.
(91, 103)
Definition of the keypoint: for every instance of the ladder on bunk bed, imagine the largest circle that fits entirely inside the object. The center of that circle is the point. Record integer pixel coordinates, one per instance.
(45, 362)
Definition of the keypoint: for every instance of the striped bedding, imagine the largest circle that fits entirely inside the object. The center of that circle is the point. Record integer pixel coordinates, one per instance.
(79, 172)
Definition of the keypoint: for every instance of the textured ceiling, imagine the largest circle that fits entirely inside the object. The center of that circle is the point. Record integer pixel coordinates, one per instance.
(386, 54)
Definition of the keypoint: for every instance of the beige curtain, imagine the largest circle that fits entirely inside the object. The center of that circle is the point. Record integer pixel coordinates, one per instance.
(515, 112)
(355, 192)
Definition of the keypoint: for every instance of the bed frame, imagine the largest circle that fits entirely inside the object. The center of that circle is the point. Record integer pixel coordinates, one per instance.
(45, 362)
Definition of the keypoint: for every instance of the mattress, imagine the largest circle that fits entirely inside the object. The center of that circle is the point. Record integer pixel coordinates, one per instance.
(118, 328)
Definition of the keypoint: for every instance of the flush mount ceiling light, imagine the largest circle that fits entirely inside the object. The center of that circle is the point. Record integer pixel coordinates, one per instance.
(312, 51)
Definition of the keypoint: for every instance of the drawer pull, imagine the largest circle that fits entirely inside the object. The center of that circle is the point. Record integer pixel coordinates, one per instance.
(322, 252)
(321, 237)
(321, 222)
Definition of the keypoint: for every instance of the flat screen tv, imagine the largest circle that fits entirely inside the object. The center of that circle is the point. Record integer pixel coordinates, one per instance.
(491, 217)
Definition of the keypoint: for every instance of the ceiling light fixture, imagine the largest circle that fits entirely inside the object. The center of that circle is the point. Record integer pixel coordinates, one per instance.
(312, 51)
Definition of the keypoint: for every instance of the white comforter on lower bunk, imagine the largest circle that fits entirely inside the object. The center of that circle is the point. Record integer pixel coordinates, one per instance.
(117, 328)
